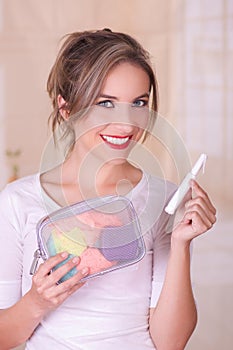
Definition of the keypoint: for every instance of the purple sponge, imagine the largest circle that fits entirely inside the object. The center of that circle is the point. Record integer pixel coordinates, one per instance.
(118, 243)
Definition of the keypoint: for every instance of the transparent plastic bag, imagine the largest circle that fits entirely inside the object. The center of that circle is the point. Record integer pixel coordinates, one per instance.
(104, 232)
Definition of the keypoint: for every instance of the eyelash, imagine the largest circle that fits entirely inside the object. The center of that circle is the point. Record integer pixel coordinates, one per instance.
(144, 103)
(105, 103)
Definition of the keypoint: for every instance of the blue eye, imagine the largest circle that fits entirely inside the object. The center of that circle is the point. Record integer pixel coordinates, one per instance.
(140, 103)
(105, 103)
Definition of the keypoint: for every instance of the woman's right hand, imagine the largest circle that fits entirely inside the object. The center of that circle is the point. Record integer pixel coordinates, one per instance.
(45, 293)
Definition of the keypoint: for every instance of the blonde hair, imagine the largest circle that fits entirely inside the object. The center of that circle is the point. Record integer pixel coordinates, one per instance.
(82, 65)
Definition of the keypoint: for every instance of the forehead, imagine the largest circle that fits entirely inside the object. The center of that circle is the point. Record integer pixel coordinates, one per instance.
(126, 80)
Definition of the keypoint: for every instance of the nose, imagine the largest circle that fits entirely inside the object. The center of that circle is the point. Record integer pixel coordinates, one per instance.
(124, 128)
(123, 118)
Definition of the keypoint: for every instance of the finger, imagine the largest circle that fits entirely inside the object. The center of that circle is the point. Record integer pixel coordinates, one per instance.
(48, 265)
(61, 271)
(208, 219)
(73, 283)
(198, 190)
(44, 269)
(197, 221)
(57, 300)
(57, 293)
(199, 205)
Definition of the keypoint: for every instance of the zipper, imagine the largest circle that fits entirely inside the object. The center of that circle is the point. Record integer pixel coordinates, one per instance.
(36, 258)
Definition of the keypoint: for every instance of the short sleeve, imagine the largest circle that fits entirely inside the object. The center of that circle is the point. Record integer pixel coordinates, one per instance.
(10, 253)
(161, 250)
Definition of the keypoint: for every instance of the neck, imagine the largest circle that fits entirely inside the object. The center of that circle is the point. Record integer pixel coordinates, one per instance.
(95, 178)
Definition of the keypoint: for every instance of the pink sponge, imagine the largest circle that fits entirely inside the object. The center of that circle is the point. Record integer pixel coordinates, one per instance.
(93, 259)
(98, 219)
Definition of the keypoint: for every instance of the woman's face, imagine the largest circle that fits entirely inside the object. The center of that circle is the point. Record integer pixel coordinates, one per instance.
(119, 117)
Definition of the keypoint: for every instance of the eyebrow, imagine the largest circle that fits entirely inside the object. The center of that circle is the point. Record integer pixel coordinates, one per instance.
(115, 98)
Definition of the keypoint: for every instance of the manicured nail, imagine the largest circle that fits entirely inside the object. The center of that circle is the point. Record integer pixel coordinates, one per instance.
(75, 259)
(64, 255)
(85, 271)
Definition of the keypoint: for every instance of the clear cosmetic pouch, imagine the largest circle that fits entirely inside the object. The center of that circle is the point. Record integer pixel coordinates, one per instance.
(104, 232)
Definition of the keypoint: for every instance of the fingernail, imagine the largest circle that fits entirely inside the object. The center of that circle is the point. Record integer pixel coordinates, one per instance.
(64, 255)
(85, 271)
(75, 259)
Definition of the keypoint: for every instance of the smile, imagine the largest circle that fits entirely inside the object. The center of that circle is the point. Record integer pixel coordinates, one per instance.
(116, 140)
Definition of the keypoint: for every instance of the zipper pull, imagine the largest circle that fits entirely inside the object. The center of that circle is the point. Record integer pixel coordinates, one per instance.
(35, 261)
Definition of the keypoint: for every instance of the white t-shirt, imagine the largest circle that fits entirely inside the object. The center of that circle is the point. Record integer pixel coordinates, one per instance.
(109, 312)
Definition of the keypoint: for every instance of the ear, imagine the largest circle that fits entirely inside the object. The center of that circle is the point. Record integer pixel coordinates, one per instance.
(62, 104)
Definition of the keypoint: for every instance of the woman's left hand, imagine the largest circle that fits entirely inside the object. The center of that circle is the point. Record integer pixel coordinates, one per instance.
(199, 215)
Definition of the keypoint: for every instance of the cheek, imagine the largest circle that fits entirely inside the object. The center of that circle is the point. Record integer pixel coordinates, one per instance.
(86, 131)
(139, 134)
(91, 139)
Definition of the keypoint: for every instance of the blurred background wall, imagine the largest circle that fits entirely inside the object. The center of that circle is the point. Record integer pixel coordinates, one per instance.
(191, 43)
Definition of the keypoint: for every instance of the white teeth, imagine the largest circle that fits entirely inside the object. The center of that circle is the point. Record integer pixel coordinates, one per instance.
(115, 140)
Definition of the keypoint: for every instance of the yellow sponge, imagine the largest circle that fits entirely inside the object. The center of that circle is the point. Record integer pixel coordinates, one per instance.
(72, 241)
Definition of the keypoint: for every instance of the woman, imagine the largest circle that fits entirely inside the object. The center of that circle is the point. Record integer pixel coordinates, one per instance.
(100, 86)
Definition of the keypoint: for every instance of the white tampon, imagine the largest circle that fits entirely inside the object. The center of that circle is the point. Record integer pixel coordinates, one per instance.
(185, 185)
